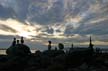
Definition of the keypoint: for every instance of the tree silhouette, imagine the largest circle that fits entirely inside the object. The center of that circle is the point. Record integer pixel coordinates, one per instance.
(61, 46)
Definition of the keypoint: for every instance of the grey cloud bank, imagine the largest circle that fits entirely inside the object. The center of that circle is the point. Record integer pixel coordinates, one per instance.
(63, 20)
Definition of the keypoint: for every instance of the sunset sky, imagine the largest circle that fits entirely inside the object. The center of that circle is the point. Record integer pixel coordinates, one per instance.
(61, 21)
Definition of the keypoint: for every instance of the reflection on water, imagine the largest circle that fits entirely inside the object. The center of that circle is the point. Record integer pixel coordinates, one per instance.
(3, 52)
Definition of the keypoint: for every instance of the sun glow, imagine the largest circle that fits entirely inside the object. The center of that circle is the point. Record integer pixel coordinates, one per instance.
(20, 29)
(16, 28)
(25, 34)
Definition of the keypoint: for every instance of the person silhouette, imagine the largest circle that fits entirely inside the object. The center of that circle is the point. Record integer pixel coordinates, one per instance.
(17, 41)
(22, 40)
(14, 42)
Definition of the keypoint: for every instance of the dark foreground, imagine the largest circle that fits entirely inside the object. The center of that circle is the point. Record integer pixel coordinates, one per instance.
(54, 61)
(19, 58)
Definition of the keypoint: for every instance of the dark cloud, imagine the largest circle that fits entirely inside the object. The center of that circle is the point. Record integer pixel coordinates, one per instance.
(69, 30)
(95, 29)
(6, 12)
(36, 11)
(22, 9)
(6, 37)
(50, 31)
(52, 15)
(91, 16)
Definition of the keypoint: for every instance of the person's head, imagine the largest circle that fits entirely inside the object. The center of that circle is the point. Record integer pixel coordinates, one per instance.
(17, 41)
(49, 42)
(14, 39)
(21, 38)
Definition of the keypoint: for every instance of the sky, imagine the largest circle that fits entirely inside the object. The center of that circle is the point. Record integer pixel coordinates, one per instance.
(61, 21)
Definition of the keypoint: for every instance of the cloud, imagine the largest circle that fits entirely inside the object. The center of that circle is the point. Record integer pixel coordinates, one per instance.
(14, 27)
(6, 12)
(7, 29)
(58, 20)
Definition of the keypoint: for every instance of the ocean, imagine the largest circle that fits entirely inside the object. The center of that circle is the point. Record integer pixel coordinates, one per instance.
(3, 52)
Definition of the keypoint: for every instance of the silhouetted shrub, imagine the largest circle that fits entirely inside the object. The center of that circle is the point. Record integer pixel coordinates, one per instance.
(18, 50)
(61, 46)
